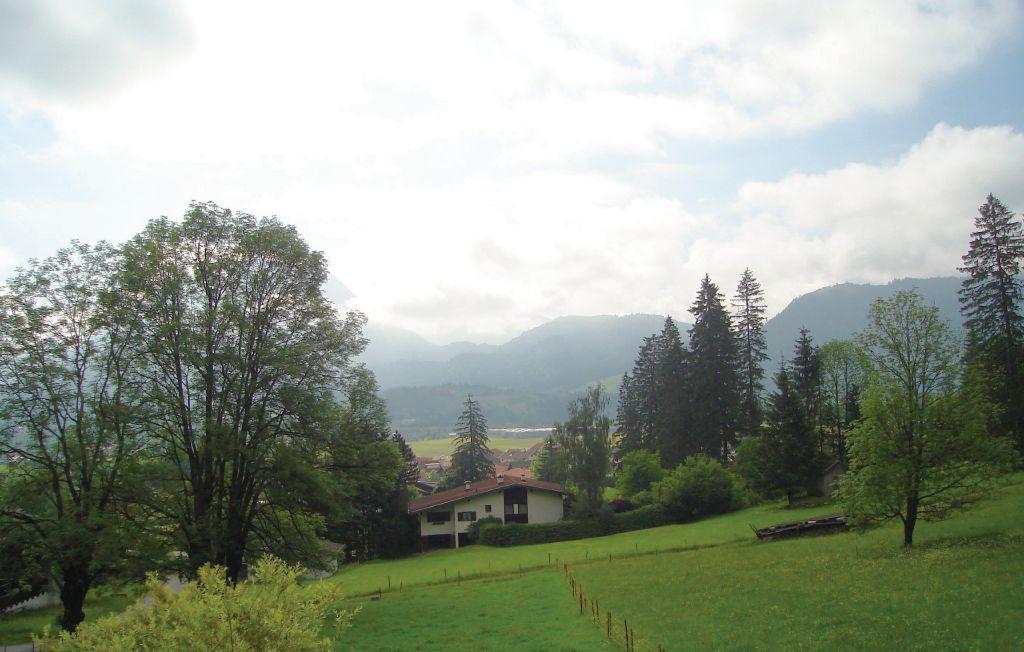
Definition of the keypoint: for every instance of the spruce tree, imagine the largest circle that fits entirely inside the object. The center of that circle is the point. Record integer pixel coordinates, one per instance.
(410, 470)
(712, 373)
(749, 308)
(635, 414)
(791, 459)
(670, 418)
(471, 460)
(806, 380)
(990, 299)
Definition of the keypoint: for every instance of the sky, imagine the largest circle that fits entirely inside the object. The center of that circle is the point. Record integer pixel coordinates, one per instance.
(475, 169)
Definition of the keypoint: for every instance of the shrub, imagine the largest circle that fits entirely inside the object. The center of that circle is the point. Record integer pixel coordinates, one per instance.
(640, 469)
(476, 527)
(268, 611)
(620, 505)
(698, 487)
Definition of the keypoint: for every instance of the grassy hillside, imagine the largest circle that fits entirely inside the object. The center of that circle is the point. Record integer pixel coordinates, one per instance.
(961, 586)
(529, 612)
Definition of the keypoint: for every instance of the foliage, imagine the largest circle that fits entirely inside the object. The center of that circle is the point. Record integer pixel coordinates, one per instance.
(700, 486)
(551, 463)
(991, 301)
(585, 439)
(922, 448)
(471, 460)
(844, 372)
(268, 611)
(639, 470)
(807, 380)
(748, 321)
(69, 418)
(242, 360)
(474, 529)
(713, 375)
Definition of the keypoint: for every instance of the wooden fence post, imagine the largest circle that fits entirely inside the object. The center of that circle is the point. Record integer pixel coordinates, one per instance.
(608, 628)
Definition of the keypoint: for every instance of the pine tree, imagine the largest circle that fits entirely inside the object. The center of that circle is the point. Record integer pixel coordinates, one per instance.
(410, 471)
(550, 464)
(790, 448)
(806, 379)
(471, 460)
(990, 299)
(749, 309)
(670, 425)
(712, 372)
(585, 439)
(635, 414)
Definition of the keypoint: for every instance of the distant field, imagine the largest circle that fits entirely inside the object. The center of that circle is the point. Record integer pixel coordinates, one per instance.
(444, 446)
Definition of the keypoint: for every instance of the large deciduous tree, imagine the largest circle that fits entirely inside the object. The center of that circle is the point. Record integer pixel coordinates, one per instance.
(69, 419)
(748, 320)
(712, 372)
(922, 447)
(586, 441)
(242, 359)
(991, 298)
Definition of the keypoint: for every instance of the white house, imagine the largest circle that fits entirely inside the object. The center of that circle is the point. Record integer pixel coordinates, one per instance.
(445, 517)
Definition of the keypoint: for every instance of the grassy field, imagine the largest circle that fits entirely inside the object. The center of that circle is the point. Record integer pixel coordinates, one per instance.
(443, 446)
(960, 587)
(19, 628)
(534, 611)
(477, 561)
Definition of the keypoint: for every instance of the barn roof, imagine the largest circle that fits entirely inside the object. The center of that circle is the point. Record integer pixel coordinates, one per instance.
(478, 488)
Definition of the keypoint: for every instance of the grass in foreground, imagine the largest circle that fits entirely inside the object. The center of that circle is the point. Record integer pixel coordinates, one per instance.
(534, 611)
(960, 587)
(19, 628)
(480, 561)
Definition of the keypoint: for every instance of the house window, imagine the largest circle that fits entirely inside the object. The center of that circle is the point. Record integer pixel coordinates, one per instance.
(439, 517)
(487, 508)
(467, 516)
(515, 508)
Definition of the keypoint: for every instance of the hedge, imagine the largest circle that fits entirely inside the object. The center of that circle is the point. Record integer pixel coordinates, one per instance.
(517, 534)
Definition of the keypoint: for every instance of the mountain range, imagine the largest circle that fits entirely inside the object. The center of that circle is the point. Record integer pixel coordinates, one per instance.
(527, 381)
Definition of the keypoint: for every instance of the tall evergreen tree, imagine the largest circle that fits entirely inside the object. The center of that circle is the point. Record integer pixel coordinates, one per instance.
(471, 460)
(712, 372)
(635, 415)
(748, 320)
(670, 423)
(410, 471)
(806, 367)
(790, 448)
(991, 298)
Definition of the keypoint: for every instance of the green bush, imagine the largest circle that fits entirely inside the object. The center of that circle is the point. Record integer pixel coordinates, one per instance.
(517, 534)
(268, 611)
(640, 469)
(476, 527)
(700, 486)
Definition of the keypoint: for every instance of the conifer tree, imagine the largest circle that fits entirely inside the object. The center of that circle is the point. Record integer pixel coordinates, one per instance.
(749, 308)
(471, 460)
(806, 368)
(635, 415)
(712, 372)
(585, 439)
(991, 298)
(410, 471)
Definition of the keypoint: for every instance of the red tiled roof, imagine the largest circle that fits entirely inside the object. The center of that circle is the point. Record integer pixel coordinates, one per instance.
(478, 488)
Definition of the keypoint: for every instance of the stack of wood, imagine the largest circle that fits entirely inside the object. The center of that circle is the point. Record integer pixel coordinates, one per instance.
(819, 525)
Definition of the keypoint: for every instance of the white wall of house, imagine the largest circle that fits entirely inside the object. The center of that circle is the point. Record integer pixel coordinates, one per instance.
(543, 507)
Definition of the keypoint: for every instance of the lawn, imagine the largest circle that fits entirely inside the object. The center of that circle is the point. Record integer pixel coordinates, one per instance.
(19, 628)
(534, 611)
(961, 586)
(444, 445)
(477, 561)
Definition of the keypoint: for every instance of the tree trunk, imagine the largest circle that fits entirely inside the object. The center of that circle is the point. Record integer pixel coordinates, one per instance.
(72, 597)
(910, 521)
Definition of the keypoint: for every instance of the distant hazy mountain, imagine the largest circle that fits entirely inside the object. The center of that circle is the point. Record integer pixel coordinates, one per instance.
(561, 355)
(839, 311)
(528, 380)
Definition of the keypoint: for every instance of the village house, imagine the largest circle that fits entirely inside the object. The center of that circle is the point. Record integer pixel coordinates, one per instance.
(445, 517)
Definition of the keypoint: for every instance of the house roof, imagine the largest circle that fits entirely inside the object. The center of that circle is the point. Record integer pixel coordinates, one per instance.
(478, 488)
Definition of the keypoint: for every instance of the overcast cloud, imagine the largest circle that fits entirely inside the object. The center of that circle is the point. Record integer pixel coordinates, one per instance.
(475, 169)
